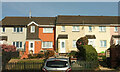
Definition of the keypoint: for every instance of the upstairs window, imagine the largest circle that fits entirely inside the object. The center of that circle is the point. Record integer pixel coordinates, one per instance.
(75, 28)
(102, 28)
(63, 28)
(32, 29)
(90, 28)
(116, 29)
(47, 30)
(18, 29)
(3, 29)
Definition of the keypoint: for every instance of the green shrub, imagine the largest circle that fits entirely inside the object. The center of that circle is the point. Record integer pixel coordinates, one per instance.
(88, 53)
(49, 53)
(40, 55)
(73, 53)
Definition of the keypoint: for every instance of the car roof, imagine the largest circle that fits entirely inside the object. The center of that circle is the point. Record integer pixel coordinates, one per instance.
(62, 59)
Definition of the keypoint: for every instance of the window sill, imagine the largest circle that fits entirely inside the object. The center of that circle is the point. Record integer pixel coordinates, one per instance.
(47, 47)
(102, 31)
(90, 31)
(75, 31)
(103, 47)
(17, 32)
(3, 32)
(62, 31)
(116, 31)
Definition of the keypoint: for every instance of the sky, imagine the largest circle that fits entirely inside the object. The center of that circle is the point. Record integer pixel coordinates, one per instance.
(51, 9)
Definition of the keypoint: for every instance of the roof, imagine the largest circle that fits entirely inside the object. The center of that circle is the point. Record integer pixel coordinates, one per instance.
(63, 36)
(66, 19)
(3, 38)
(33, 39)
(91, 36)
(116, 36)
(26, 20)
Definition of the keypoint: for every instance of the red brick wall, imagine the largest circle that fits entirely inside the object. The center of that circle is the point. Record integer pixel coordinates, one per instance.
(46, 37)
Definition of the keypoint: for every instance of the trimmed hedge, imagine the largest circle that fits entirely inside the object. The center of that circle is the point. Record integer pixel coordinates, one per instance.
(88, 53)
(49, 53)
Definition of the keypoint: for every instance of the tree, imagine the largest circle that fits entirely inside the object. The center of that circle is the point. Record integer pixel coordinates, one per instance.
(8, 51)
(81, 41)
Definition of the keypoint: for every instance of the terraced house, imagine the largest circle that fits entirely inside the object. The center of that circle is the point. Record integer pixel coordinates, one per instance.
(98, 29)
(60, 33)
(29, 33)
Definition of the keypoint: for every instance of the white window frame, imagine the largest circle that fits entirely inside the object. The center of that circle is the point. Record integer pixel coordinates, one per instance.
(63, 28)
(102, 28)
(18, 43)
(50, 42)
(77, 29)
(74, 44)
(32, 28)
(103, 43)
(46, 30)
(116, 30)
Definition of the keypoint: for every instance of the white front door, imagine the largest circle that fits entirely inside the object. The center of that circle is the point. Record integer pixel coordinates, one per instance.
(31, 46)
(62, 46)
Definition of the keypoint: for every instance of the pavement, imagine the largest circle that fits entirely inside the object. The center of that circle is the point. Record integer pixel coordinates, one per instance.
(105, 68)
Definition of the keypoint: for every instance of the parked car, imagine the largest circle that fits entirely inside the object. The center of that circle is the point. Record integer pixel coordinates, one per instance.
(57, 65)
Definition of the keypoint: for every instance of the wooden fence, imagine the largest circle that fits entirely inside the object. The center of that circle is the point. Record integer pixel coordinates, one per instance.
(84, 65)
(23, 66)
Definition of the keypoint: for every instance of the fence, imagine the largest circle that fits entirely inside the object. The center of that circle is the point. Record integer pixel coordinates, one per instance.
(84, 65)
(23, 66)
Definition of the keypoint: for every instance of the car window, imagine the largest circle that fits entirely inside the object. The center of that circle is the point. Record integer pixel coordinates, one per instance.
(57, 64)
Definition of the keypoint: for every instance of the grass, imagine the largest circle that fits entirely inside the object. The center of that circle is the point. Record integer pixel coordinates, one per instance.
(29, 61)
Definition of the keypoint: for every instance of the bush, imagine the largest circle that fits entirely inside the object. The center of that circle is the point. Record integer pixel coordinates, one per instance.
(30, 56)
(73, 53)
(49, 53)
(88, 53)
(81, 41)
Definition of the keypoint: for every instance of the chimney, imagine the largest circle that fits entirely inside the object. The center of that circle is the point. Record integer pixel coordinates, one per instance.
(30, 14)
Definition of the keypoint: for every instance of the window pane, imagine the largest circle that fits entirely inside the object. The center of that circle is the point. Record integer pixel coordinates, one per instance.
(14, 29)
(104, 43)
(3, 29)
(32, 28)
(63, 28)
(77, 28)
(31, 45)
(47, 30)
(14, 43)
(63, 44)
(74, 43)
(21, 29)
(90, 28)
(17, 29)
(20, 44)
(73, 28)
(17, 44)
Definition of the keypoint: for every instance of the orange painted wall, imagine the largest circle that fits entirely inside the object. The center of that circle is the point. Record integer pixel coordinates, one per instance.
(27, 46)
(37, 46)
(46, 37)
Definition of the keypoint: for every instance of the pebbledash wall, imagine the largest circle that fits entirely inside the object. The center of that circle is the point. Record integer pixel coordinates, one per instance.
(66, 31)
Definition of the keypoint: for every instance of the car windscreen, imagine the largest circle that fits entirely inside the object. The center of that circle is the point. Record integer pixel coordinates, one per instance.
(57, 64)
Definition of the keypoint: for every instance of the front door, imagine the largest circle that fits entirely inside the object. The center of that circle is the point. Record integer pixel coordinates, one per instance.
(62, 46)
(31, 46)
